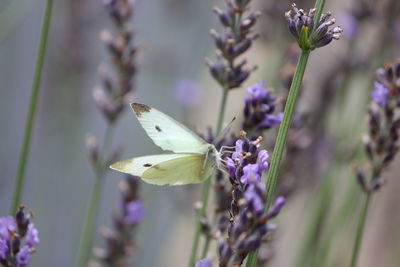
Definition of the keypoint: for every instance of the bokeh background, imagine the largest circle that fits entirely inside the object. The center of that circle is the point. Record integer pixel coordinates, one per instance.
(175, 40)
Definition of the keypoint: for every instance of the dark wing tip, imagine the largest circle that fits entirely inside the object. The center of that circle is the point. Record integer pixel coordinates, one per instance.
(139, 109)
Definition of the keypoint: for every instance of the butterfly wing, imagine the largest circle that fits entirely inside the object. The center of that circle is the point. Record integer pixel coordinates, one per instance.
(137, 166)
(168, 169)
(166, 132)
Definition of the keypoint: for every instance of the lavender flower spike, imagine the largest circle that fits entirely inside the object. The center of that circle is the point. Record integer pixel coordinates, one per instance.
(301, 25)
(248, 221)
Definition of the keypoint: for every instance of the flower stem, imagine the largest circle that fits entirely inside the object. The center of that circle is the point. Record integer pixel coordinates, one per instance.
(359, 233)
(206, 188)
(272, 176)
(290, 106)
(85, 242)
(23, 156)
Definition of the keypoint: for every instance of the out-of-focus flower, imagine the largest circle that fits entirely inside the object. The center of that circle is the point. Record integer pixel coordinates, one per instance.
(118, 75)
(350, 25)
(134, 212)
(380, 94)
(234, 42)
(301, 25)
(382, 141)
(119, 240)
(187, 93)
(23, 256)
(18, 239)
(260, 106)
(203, 263)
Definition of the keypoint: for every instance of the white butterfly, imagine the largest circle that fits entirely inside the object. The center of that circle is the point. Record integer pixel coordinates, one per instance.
(193, 161)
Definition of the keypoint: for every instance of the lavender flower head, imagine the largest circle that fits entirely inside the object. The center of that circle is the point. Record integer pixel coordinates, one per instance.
(249, 222)
(18, 239)
(301, 25)
(232, 44)
(259, 109)
(382, 143)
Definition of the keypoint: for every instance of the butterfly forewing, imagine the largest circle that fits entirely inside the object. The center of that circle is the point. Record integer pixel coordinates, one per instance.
(166, 132)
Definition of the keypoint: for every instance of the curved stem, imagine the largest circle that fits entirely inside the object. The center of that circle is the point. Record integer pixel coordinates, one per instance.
(359, 233)
(85, 242)
(23, 156)
(206, 187)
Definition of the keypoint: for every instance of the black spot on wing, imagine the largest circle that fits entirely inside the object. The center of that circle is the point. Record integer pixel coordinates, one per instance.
(147, 165)
(139, 109)
(158, 128)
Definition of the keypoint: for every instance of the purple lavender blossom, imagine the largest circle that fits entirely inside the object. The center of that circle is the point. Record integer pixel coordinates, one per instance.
(276, 208)
(18, 239)
(24, 256)
(7, 224)
(203, 263)
(3, 248)
(254, 200)
(187, 93)
(32, 236)
(380, 94)
(301, 25)
(259, 109)
(134, 212)
(248, 223)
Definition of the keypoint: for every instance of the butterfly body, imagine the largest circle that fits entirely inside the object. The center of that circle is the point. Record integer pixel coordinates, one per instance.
(193, 160)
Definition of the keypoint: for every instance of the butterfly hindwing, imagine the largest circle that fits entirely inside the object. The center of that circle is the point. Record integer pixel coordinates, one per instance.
(166, 132)
(137, 166)
(186, 169)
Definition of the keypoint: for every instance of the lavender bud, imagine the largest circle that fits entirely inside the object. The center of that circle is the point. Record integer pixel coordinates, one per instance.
(276, 208)
(223, 17)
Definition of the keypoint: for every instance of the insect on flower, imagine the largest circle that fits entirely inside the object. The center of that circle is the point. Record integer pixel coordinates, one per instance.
(193, 160)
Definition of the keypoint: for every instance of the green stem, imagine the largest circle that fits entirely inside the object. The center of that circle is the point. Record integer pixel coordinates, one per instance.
(85, 243)
(359, 233)
(86, 237)
(23, 156)
(206, 188)
(290, 106)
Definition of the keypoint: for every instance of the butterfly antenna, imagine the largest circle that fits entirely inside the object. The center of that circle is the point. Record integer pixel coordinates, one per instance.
(225, 131)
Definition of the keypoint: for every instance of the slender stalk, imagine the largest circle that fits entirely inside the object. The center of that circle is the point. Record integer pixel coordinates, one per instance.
(206, 188)
(272, 176)
(86, 237)
(85, 243)
(23, 156)
(290, 106)
(359, 233)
